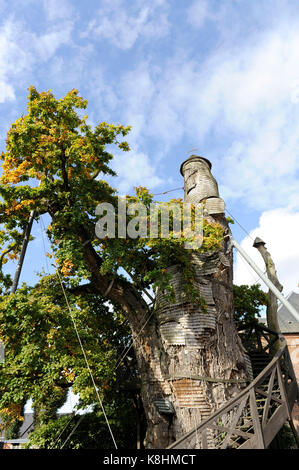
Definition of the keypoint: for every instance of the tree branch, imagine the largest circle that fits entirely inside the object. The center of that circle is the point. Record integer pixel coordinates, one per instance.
(121, 292)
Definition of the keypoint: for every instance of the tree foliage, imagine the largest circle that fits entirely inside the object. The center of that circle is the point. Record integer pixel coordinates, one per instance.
(43, 358)
(248, 301)
(90, 430)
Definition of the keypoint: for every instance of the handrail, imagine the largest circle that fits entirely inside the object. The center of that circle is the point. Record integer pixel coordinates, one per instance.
(261, 436)
(260, 327)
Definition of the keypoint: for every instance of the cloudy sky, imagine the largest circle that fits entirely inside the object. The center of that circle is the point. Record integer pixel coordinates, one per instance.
(221, 77)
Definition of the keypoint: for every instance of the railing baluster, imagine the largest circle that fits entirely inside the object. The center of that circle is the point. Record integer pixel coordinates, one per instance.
(256, 421)
(234, 422)
(283, 390)
(267, 403)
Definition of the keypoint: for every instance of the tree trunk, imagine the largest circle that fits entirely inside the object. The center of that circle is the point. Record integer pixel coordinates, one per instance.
(272, 305)
(193, 359)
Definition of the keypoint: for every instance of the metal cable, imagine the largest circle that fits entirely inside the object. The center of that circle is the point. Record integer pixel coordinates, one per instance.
(124, 355)
(86, 360)
(65, 427)
(169, 191)
(72, 432)
(235, 220)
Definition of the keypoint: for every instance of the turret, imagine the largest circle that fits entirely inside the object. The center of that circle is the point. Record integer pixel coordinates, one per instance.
(200, 185)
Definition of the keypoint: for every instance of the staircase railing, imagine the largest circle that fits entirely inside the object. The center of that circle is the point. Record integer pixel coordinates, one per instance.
(252, 419)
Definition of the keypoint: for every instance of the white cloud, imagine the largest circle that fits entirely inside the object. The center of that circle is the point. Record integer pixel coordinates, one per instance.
(244, 97)
(6, 92)
(123, 24)
(21, 49)
(279, 229)
(137, 103)
(198, 13)
(57, 9)
(47, 44)
(134, 169)
(236, 20)
(13, 60)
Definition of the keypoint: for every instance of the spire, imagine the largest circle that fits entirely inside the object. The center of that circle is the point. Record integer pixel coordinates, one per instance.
(200, 185)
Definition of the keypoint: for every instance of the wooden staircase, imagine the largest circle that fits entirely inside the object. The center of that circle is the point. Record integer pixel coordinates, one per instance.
(259, 360)
(253, 418)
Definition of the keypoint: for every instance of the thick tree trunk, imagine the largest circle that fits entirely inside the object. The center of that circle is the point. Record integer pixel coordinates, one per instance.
(191, 358)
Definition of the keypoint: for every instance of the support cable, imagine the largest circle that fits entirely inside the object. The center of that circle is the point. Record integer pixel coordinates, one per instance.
(169, 191)
(86, 360)
(85, 357)
(122, 356)
(235, 220)
(72, 432)
(65, 427)
(74, 414)
(248, 234)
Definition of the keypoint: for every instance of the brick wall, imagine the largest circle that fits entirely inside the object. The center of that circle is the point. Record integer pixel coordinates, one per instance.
(292, 340)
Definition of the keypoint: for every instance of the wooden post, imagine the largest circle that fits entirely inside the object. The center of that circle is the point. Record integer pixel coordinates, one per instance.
(23, 252)
(256, 421)
(272, 320)
(295, 434)
(15, 428)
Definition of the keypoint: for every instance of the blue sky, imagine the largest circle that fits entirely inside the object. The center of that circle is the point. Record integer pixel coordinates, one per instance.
(218, 76)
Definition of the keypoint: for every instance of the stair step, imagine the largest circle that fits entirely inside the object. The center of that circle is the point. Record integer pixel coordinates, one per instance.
(259, 360)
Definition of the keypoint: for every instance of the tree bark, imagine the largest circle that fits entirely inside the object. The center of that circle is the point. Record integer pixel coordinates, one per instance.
(272, 304)
(191, 358)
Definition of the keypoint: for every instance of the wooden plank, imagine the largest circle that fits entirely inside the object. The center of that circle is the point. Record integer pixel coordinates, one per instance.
(215, 205)
(263, 434)
(190, 394)
(274, 424)
(283, 390)
(292, 393)
(253, 442)
(250, 444)
(265, 394)
(260, 379)
(234, 423)
(269, 397)
(236, 432)
(256, 421)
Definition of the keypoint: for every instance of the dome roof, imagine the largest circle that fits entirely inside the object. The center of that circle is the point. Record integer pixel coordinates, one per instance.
(194, 158)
